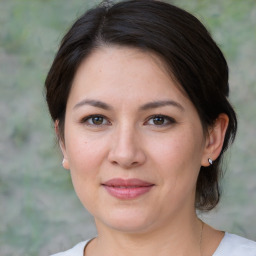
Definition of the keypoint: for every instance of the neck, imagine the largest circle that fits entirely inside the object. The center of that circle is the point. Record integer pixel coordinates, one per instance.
(180, 237)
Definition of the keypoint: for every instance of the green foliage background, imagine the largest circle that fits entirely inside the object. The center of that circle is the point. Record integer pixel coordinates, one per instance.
(39, 211)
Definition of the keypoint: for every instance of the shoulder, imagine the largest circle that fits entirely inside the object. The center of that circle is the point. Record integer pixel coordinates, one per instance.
(233, 245)
(77, 250)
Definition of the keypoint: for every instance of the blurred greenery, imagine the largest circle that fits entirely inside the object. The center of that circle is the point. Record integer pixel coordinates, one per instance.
(40, 213)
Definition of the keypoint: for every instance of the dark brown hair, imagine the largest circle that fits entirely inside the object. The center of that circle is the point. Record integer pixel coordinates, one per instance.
(179, 39)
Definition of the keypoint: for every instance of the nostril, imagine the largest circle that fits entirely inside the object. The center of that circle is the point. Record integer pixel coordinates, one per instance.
(125, 164)
(114, 163)
(126, 154)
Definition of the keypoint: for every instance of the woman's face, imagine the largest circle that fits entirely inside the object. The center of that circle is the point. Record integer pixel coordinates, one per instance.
(134, 142)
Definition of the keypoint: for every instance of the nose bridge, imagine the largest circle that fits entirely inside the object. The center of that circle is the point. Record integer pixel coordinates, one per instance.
(124, 140)
(125, 149)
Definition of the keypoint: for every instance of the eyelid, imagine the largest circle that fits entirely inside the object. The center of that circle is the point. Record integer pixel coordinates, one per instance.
(85, 119)
(169, 119)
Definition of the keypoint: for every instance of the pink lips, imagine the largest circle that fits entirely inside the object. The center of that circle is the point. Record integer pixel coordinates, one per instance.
(127, 189)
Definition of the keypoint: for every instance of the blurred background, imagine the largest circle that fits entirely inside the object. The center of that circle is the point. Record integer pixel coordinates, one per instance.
(39, 211)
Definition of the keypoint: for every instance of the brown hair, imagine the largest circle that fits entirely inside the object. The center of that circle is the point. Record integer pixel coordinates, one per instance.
(179, 39)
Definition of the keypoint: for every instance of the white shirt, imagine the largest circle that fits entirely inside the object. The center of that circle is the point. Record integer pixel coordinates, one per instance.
(231, 245)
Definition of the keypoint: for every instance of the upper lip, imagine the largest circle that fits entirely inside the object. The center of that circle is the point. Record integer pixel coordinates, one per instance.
(118, 182)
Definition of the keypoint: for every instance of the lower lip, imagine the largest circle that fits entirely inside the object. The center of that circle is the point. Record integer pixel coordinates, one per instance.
(128, 192)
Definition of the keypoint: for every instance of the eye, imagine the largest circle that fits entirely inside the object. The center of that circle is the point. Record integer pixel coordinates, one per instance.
(160, 120)
(95, 120)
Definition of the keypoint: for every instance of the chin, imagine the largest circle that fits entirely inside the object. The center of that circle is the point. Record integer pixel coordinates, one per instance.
(129, 222)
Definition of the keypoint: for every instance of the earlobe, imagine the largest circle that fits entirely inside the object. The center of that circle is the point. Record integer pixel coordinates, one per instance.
(215, 139)
(65, 162)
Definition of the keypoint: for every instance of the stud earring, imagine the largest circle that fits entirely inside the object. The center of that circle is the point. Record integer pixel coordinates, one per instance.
(210, 161)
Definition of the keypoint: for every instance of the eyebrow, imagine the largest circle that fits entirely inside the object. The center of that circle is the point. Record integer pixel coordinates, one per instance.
(163, 103)
(94, 103)
(147, 106)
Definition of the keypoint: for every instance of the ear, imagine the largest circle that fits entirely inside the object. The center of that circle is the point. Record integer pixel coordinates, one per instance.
(65, 162)
(215, 139)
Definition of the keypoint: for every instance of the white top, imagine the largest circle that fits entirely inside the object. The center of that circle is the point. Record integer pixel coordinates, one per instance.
(231, 245)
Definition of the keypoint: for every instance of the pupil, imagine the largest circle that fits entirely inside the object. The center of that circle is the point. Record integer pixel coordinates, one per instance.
(97, 120)
(158, 120)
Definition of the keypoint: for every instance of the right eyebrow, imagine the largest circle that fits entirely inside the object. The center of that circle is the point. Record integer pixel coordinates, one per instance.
(94, 103)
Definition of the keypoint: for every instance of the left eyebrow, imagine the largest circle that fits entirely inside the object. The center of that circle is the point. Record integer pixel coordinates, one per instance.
(158, 104)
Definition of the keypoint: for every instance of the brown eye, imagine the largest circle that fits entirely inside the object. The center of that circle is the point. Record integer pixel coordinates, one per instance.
(97, 120)
(158, 120)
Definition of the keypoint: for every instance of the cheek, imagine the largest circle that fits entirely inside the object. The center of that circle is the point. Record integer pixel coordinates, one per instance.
(180, 159)
(85, 157)
(85, 152)
(180, 149)
(85, 160)
(179, 166)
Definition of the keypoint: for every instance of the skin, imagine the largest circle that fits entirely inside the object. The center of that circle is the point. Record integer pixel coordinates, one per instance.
(163, 144)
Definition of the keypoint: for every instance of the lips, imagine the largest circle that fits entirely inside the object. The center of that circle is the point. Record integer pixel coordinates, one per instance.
(127, 188)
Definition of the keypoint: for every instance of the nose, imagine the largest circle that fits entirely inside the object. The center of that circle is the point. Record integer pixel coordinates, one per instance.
(126, 148)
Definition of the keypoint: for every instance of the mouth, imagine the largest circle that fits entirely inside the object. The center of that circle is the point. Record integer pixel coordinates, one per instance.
(126, 189)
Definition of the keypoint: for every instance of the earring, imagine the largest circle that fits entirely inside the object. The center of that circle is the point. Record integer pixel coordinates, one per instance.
(210, 161)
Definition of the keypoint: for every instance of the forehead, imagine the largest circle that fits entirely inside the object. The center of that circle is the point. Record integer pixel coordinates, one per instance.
(119, 57)
(124, 65)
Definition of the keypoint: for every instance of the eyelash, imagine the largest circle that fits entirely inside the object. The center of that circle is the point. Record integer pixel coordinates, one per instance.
(86, 120)
(167, 120)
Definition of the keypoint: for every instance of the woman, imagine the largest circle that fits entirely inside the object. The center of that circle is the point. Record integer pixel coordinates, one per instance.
(138, 93)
